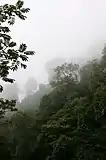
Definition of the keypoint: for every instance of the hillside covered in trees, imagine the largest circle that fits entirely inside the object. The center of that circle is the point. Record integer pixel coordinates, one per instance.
(62, 120)
(68, 123)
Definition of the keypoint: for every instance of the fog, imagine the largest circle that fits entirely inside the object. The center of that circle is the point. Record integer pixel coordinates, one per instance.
(59, 28)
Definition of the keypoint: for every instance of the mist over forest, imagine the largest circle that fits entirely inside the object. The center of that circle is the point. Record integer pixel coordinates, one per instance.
(53, 80)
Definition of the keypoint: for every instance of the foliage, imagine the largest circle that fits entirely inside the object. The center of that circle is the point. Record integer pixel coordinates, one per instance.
(12, 56)
(72, 117)
(70, 122)
(65, 74)
(31, 102)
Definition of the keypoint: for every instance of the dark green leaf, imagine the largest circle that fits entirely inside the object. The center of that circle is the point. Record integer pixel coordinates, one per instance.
(22, 47)
(19, 4)
(24, 57)
(12, 44)
(29, 52)
(23, 66)
(8, 79)
(25, 10)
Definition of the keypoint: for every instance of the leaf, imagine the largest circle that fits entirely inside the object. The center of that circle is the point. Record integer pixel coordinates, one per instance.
(19, 4)
(25, 10)
(11, 21)
(14, 68)
(12, 54)
(1, 88)
(23, 66)
(8, 79)
(5, 29)
(5, 36)
(5, 6)
(29, 52)
(12, 44)
(24, 57)
(22, 16)
(22, 47)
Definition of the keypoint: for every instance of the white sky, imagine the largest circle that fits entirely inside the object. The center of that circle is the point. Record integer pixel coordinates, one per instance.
(56, 28)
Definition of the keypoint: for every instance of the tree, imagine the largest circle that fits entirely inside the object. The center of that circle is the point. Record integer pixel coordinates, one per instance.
(30, 104)
(72, 117)
(70, 122)
(65, 74)
(51, 65)
(12, 56)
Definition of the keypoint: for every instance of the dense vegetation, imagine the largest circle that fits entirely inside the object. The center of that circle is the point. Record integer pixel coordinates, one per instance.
(12, 56)
(69, 122)
(68, 119)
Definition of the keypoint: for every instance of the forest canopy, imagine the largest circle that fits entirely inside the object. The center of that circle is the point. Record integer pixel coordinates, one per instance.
(62, 120)
(65, 121)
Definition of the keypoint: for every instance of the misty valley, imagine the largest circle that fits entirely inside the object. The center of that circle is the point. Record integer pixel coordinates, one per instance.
(62, 116)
